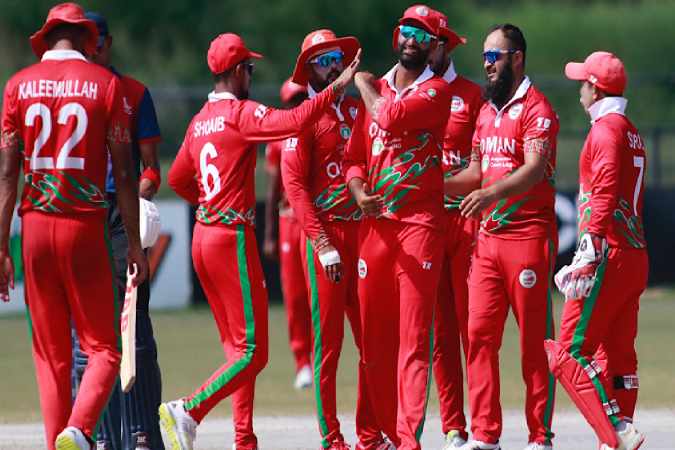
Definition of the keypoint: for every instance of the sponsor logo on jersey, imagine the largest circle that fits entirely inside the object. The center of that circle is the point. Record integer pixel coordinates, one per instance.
(527, 278)
(377, 147)
(485, 163)
(515, 110)
(457, 104)
(127, 107)
(363, 268)
(498, 144)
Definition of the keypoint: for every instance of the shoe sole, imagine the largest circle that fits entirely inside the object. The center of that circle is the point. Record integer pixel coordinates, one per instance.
(168, 424)
(66, 443)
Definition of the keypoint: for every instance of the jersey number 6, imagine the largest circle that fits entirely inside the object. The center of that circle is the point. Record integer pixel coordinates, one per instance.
(207, 152)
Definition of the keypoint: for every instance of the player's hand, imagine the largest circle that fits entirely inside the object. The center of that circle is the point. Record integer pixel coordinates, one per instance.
(271, 249)
(147, 189)
(6, 275)
(331, 262)
(364, 78)
(576, 281)
(474, 203)
(340, 84)
(371, 205)
(137, 256)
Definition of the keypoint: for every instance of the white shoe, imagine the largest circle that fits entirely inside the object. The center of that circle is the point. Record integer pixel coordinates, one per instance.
(303, 379)
(538, 446)
(453, 441)
(479, 445)
(630, 438)
(179, 429)
(72, 439)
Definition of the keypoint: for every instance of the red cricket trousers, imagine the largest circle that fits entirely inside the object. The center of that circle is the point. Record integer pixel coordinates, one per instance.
(507, 273)
(603, 326)
(227, 264)
(294, 291)
(398, 270)
(451, 321)
(68, 276)
(329, 304)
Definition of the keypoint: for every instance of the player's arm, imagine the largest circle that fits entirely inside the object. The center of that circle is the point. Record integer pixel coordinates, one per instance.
(426, 109)
(148, 136)
(182, 175)
(355, 167)
(272, 198)
(466, 180)
(605, 166)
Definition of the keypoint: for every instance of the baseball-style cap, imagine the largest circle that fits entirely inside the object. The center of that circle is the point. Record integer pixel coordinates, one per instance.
(603, 69)
(290, 89)
(321, 41)
(226, 51)
(101, 25)
(419, 16)
(446, 32)
(71, 13)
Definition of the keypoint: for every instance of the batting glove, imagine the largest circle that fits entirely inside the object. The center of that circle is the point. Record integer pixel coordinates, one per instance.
(576, 280)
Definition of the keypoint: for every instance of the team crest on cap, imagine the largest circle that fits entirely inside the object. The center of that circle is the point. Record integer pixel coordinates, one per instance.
(317, 39)
(422, 11)
(457, 104)
(515, 111)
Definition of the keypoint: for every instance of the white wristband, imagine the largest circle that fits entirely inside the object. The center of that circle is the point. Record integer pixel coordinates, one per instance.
(329, 258)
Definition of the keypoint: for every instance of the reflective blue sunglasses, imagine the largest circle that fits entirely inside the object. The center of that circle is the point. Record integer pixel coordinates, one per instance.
(327, 59)
(494, 55)
(420, 35)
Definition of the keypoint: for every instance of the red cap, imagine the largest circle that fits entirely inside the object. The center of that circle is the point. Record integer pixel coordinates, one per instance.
(444, 31)
(226, 51)
(421, 16)
(64, 13)
(603, 69)
(321, 41)
(290, 89)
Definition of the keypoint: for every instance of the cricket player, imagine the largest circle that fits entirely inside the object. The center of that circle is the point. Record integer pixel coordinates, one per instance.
(451, 314)
(64, 110)
(329, 217)
(135, 413)
(393, 169)
(214, 168)
(602, 286)
(511, 179)
(282, 242)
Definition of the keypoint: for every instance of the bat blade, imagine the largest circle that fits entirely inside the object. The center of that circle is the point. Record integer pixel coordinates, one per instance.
(128, 333)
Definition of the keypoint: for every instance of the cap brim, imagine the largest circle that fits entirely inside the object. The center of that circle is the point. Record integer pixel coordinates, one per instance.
(420, 24)
(349, 46)
(576, 71)
(453, 38)
(254, 55)
(39, 45)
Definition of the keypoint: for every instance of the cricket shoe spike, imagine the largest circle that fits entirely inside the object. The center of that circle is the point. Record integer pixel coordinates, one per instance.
(72, 438)
(538, 446)
(629, 437)
(453, 440)
(303, 379)
(479, 445)
(179, 429)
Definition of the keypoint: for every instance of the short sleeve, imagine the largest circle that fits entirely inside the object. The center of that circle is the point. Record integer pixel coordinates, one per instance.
(540, 127)
(10, 122)
(117, 119)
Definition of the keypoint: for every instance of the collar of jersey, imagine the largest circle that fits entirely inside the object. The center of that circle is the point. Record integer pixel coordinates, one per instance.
(390, 78)
(607, 105)
(61, 55)
(450, 74)
(520, 93)
(311, 93)
(217, 96)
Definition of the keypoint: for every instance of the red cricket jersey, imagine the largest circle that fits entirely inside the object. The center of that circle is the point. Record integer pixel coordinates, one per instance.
(312, 170)
(466, 102)
(64, 109)
(273, 162)
(611, 173)
(399, 151)
(527, 123)
(216, 163)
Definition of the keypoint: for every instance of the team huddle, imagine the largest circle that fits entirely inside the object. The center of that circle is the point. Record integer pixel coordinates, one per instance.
(423, 211)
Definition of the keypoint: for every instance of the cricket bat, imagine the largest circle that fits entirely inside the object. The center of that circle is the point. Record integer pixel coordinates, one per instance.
(128, 333)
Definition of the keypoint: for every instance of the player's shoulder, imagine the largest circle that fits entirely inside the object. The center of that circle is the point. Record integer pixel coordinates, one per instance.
(468, 85)
(535, 97)
(132, 85)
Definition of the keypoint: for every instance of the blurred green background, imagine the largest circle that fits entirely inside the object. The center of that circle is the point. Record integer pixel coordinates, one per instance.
(164, 45)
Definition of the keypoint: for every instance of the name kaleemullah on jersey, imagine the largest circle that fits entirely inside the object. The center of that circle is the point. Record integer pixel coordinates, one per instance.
(60, 88)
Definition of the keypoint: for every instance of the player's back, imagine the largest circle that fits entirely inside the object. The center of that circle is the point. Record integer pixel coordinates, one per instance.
(62, 108)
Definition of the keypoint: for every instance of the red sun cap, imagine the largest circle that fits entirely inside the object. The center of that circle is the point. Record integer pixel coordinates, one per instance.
(71, 13)
(444, 31)
(321, 41)
(226, 51)
(603, 69)
(290, 90)
(418, 16)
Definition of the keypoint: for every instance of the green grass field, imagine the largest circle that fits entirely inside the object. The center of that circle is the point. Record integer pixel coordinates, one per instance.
(189, 350)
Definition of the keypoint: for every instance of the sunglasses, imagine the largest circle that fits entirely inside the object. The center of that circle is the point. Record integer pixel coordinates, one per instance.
(421, 36)
(327, 59)
(494, 55)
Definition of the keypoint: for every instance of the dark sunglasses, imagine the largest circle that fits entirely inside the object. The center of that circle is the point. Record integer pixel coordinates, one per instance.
(494, 55)
(420, 35)
(327, 59)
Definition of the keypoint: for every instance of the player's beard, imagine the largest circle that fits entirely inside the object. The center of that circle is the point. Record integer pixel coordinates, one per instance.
(325, 82)
(498, 91)
(413, 62)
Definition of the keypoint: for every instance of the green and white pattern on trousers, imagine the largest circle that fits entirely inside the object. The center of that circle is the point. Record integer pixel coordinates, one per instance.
(243, 362)
(318, 347)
